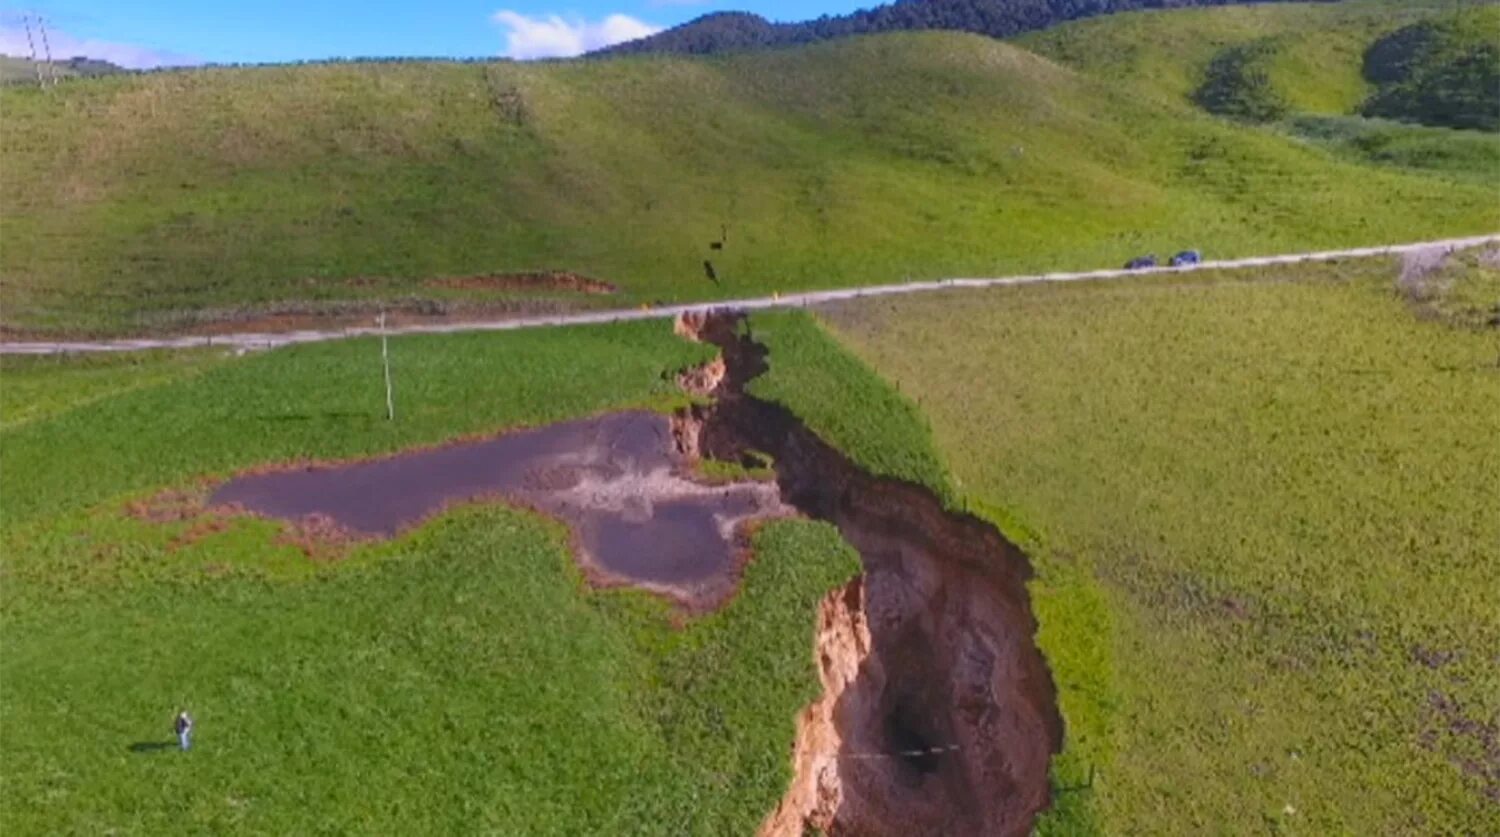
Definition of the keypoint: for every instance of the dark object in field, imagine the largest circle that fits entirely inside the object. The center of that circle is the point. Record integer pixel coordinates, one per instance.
(152, 746)
(708, 270)
(1187, 257)
(1141, 263)
(716, 245)
(182, 725)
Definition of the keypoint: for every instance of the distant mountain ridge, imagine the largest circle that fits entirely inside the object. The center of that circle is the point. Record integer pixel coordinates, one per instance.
(740, 31)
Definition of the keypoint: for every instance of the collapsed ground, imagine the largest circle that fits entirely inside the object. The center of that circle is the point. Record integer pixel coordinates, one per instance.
(933, 741)
(1258, 504)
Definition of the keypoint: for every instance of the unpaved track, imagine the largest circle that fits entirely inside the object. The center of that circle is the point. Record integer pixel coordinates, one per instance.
(274, 340)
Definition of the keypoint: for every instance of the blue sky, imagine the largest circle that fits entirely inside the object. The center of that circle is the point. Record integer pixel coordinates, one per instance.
(154, 32)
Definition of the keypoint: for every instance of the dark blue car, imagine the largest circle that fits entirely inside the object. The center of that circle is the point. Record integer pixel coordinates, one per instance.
(1141, 263)
(1187, 257)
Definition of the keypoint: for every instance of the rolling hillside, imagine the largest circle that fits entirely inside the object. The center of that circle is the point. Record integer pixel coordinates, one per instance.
(147, 203)
(1302, 57)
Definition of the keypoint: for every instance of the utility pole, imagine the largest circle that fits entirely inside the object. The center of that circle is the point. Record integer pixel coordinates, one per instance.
(385, 360)
(31, 48)
(41, 26)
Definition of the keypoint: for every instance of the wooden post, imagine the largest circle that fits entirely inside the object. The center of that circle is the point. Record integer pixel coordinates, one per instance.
(385, 361)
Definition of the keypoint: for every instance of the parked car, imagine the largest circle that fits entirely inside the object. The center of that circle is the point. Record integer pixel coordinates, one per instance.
(1187, 257)
(1141, 263)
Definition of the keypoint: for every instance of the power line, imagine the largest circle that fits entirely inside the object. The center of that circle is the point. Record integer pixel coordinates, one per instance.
(47, 50)
(31, 49)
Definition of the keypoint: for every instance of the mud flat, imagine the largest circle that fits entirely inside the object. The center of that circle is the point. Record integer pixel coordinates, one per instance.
(939, 715)
(618, 481)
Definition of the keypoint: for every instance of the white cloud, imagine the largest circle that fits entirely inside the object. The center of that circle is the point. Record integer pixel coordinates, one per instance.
(65, 46)
(555, 36)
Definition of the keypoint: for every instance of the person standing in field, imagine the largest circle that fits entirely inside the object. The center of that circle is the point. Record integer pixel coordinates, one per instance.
(184, 727)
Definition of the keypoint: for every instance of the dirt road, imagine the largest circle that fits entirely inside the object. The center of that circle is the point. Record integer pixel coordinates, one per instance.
(253, 341)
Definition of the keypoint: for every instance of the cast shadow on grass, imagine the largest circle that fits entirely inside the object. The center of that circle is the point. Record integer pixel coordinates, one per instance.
(332, 415)
(152, 746)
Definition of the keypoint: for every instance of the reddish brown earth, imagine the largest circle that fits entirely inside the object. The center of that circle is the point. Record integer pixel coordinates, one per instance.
(362, 315)
(553, 280)
(939, 714)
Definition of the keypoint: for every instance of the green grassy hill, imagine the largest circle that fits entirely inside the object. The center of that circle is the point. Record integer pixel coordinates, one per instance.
(149, 202)
(1313, 54)
(1428, 62)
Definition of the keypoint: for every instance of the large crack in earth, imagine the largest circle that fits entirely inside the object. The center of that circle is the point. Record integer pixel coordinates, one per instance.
(939, 714)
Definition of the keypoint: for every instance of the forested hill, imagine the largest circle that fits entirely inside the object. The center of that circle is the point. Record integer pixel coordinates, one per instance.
(733, 31)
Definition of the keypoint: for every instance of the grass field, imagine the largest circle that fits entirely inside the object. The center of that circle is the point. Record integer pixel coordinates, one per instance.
(40, 387)
(459, 677)
(1262, 508)
(148, 203)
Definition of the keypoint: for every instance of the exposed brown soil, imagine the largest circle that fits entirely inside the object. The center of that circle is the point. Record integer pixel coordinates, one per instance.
(310, 317)
(843, 646)
(555, 280)
(362, 315)
(170, 506)
(949, 721)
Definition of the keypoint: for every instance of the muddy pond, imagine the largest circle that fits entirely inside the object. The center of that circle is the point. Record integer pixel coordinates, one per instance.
(617, 480)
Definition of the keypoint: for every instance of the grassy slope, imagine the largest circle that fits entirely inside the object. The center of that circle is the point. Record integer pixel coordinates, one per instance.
(1311, 59)
(132, 200)
(1318, 47)
(459, 675)
(1275, 498)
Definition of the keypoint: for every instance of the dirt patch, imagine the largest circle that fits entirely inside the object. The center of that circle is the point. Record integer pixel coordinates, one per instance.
(1470, 744)
(949, 721)
(173, 505)
(359, 315)
(311, 316)
(1418, 268)
(619, 481)
(702, 381)
(843, 645)
(527, 282)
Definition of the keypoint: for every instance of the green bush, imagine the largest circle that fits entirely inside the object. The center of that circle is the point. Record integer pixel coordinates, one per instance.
(1237, 84)
(1439, 72)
